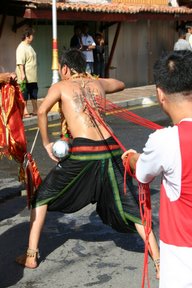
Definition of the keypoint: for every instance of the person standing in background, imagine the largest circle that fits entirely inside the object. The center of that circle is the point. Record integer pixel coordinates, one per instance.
(182, 43)
(188, 27)
(87, 48)
(98, 53)
(76, 38)
(26, 70)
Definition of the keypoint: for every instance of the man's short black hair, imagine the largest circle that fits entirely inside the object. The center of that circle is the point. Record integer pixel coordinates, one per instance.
(182, 32)
(28, 31)
(173, 72)
(74, 59)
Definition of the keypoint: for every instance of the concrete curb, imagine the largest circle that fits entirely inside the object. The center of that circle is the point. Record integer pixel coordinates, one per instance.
(137, 101)
(33, 120)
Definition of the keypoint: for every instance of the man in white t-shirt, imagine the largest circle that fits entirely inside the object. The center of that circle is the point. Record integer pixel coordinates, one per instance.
(88, 44)
(168, 152)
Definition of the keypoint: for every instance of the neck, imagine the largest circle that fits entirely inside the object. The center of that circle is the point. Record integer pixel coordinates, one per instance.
(26, 41)
(180, 112)
(78, 75)
(75, 75)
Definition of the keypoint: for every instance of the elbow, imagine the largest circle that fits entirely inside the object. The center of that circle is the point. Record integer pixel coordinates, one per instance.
(41, 112)
(122, 86)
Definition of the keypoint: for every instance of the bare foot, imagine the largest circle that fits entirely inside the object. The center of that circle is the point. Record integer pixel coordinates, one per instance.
(27, 261)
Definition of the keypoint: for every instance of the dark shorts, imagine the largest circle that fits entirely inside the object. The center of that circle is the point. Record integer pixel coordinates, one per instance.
(31, 91)
(92, 173)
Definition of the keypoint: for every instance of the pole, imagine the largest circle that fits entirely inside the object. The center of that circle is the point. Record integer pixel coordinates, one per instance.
(55, 66)
(112, 49)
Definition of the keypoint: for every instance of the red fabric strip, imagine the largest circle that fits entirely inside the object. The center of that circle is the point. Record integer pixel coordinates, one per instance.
(94, 148)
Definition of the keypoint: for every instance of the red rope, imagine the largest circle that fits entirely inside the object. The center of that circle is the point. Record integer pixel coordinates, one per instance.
(145, 211)
(100, 120)
(127, 170)
(123, 113)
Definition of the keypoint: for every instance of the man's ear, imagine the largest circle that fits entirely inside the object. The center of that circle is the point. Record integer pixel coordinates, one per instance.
(63, 71)
(161, 96)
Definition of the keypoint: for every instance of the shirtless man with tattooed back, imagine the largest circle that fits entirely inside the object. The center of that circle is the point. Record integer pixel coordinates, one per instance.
(93, 171)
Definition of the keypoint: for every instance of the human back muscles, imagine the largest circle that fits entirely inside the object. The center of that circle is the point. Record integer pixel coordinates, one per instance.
(74, 99)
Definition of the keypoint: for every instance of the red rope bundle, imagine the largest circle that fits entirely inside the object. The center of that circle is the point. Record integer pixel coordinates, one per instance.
(123, 113)
(145, 212)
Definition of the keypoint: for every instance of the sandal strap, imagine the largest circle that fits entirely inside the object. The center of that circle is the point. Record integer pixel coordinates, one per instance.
(32, 252)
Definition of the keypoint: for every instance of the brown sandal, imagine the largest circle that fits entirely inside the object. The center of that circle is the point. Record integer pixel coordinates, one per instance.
(29, 259)
(157, 267)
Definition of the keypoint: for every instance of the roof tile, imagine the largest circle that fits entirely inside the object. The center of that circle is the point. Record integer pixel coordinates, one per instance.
(106, 6)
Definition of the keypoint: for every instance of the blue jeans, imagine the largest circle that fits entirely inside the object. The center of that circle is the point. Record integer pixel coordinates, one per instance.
(89, 67)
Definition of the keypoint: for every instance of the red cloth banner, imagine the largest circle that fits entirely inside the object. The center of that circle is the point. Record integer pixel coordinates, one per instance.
(12, 134)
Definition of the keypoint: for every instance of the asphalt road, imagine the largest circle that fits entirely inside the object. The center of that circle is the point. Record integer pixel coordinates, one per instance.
(76, 250)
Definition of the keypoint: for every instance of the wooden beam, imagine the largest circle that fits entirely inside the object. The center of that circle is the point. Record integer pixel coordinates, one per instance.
(46, 14)
(75, 15)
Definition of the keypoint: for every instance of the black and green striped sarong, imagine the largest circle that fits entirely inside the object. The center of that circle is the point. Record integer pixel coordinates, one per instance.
(92, 173)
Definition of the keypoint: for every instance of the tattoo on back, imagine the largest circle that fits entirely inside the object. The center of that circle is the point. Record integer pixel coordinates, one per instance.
(94, 98)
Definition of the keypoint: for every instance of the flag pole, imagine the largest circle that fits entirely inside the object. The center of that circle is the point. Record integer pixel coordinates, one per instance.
(55, 66)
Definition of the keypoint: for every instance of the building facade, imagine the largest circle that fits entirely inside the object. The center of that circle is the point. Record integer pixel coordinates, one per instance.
(135, 34)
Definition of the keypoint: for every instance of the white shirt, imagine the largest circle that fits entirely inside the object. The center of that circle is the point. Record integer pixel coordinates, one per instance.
(25, 55)
(182, 44)
(87, 40)
(162, 155)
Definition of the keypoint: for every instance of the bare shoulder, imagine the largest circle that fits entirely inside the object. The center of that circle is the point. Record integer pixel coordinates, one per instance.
(59, 87)
(54, 93)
